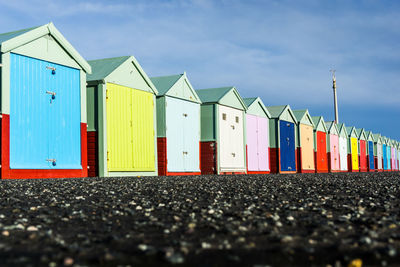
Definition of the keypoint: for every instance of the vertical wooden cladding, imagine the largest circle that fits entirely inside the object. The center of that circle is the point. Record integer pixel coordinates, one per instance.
(92, 150)
(231, 147)
(130, 129)
(183, 135)
(287, 149)
(208, 158)
(379, 156)
(45, 115)
(384, 157)
(307, 147)
(257, 143)
(334, 152)
(354, 154)
(363, 156)
(343, 153)
(371, 158)
(321, 155)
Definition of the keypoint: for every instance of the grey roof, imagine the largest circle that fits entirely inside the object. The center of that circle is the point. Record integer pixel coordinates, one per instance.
(101, 68)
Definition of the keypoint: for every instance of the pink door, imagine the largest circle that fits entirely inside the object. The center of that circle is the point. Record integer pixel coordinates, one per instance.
(263, 143)
(252, 146)
(334, 141)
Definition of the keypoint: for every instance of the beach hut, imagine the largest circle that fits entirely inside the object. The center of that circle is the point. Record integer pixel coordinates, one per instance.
(343, 142)
(178, 126)
(321, 157)
(257, 130)
(122, 119)
(362, 149)
(282, 132)
(384, 154)
(333, 147)
(398, 155)
(378, 152)
(388, 154)
(370, 151)
(43, 98)
(304, 142)
(223, 136)
(393, 155)
(352, 150)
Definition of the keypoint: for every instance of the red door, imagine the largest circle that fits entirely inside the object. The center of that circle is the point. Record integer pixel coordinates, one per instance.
(322, 158)
(363, 156)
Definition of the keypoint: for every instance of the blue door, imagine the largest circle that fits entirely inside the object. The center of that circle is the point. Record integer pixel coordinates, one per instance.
(371, 155)
(45, 115)
(384, 156)
(287, 146)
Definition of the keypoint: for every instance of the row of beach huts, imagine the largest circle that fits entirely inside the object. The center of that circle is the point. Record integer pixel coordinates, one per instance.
(63, 116)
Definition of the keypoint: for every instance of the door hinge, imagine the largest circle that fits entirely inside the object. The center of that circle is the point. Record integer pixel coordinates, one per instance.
(106, 94)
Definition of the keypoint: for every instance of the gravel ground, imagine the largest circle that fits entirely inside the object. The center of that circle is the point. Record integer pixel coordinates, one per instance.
(243, 220)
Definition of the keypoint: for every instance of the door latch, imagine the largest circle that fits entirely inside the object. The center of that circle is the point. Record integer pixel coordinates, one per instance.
(53, 161)
(185, 152)
(185, 115)
(233, 155)
(53, 94)
(53, 70)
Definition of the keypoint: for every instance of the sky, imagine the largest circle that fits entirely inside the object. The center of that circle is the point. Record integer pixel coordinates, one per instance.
(279, 50)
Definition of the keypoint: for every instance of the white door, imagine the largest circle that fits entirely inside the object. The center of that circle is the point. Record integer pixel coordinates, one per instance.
(231, 148)
(191, 132)
(379, 155)
(343, 153)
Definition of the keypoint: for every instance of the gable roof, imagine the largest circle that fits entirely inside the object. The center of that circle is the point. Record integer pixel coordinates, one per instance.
(377, 138)
(332, 127)
(254, 101)
(342, 129)
(370, 136)
(164, 83)
(102, 68)
(319, 120)
(12, 40)
(277, 111)
(351, 130)
(214, 95)
(361, 133)
(300, 114)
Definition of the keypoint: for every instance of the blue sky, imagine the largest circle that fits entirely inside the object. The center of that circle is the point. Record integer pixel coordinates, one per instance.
(280, 50)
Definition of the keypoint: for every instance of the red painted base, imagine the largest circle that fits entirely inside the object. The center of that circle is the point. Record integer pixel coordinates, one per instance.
(363, 170)
(208, 157)
(231, 173)
(274, 159)
(7, 173)
(307, 171)
(92, 144)
(162, 156)
(336, 171)
(182, 173)
(258, 172)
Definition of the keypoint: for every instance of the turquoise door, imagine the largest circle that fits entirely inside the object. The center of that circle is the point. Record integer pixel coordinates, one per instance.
(44, 115)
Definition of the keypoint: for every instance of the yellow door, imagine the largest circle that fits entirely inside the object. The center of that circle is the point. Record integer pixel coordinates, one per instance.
(130, 129)
(354, 153)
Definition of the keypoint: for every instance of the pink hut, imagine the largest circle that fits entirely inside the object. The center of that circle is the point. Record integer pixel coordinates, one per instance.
(333, 147)
(257, 128)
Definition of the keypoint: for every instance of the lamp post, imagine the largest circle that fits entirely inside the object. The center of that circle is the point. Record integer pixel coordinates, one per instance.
(334, 96)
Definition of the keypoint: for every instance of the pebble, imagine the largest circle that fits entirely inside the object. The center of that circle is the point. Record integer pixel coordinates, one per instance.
(326, 219)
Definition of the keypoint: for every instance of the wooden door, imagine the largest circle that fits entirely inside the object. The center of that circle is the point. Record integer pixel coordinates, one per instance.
(307, 147)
